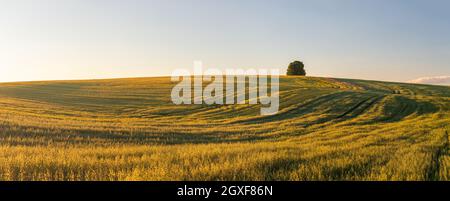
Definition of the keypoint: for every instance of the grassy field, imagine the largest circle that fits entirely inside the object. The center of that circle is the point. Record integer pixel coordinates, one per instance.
(128, 129)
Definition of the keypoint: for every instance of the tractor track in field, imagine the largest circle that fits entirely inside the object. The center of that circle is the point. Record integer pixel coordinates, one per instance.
(364, 105)
(291, 113)
(408, 107)
(370, 102)
(435, 166)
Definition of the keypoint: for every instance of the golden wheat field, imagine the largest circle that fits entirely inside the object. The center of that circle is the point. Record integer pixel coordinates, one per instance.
(128, 129)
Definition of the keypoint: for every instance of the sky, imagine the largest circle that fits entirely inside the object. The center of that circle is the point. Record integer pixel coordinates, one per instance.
(392, 40)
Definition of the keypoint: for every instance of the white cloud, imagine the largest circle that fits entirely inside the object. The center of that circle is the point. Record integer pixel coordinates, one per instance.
(443, 80)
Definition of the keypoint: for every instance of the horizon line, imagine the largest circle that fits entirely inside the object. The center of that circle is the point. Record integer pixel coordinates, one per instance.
(168, 76)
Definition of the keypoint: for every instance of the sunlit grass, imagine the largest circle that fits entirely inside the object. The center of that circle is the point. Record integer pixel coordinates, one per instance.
(128, 129)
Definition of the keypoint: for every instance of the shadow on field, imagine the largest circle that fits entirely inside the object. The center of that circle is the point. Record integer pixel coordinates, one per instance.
(401, 107)
(299, 110)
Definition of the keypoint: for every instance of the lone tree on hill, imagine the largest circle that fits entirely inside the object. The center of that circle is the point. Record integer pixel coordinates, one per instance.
(296, 68)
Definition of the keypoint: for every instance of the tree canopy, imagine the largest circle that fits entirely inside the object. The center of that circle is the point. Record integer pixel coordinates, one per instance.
(296, 68)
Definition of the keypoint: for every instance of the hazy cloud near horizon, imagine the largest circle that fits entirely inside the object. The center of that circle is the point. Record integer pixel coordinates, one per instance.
(441, 80)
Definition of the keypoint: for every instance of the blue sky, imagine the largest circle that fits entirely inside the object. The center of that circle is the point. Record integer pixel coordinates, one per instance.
(395, 40)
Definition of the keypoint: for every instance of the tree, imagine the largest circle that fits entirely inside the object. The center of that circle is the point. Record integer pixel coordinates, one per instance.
(296, 68)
